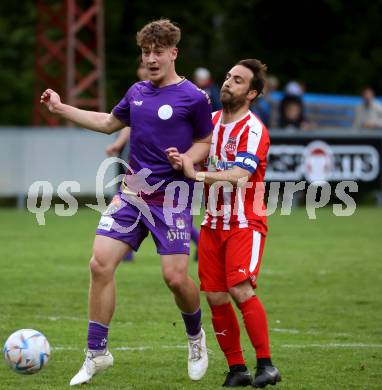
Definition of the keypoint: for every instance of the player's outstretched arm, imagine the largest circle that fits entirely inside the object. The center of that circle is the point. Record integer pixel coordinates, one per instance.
(200, 149)
(197, 153)
(235, 176)
(97, 121)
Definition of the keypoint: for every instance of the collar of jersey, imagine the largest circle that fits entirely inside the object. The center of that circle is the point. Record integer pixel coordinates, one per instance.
(149, 83)
(234, 122)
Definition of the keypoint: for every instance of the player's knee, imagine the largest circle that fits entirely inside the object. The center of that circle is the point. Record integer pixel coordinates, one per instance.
(175, 281)
(99, 268)
(217, 298)
(241, 292)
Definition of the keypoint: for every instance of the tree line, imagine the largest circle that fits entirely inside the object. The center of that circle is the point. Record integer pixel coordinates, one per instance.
(333, 46)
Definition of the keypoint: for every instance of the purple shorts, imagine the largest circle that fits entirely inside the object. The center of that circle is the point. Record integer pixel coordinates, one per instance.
(129, 219)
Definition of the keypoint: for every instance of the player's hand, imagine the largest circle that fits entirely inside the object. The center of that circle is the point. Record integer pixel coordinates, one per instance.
(188, 167)
(175, 158)
(51, 100)
(112, 150)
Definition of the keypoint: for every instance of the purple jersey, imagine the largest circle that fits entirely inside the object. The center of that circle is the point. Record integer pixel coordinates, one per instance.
(174, 115)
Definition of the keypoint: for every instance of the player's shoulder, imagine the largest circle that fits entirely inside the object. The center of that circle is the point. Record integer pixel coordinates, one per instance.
(197, 94)
(215, 116)
(255, 125)
(139, 85)
(134, 88)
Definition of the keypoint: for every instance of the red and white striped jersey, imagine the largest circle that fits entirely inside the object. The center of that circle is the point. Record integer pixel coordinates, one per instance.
(244, 143)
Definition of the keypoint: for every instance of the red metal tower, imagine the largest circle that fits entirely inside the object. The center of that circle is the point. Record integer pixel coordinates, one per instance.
(70, 55)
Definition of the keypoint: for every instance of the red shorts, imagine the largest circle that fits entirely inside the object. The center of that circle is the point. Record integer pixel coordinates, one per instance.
(229, 257)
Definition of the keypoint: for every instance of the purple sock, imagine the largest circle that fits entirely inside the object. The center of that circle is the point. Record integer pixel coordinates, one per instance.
(97, 336)
(193, 322)
(194, 235)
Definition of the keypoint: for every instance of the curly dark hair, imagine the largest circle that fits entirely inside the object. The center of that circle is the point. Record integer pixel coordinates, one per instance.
(259, 71)
(160, 32)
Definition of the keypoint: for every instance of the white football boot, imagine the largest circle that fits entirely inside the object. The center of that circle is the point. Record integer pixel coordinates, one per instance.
(197, 357)
(92, 366)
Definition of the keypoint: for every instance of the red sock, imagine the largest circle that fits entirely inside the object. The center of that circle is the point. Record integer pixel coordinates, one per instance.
(227, 332)
(255, 321)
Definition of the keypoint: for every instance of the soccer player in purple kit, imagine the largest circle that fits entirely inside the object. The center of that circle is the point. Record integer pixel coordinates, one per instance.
(165, 111)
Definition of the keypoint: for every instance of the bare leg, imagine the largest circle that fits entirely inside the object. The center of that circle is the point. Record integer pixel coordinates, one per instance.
(186, 294)
(107, 254)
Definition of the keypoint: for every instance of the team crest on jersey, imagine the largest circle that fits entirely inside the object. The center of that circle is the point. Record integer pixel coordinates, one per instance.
(180, 224)
(230, 146)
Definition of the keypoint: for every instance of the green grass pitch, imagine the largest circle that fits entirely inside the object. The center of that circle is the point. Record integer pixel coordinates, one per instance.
(321, 284)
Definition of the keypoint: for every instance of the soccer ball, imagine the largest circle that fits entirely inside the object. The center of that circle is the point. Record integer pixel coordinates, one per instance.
(26, 351)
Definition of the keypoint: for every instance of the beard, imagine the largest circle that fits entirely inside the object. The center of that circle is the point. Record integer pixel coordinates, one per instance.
(231, 103)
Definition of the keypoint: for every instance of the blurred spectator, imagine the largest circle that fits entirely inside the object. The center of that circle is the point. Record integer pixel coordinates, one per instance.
(292, 107)
(202, 78)
(369, 112)
(262, 105)
(141, 70)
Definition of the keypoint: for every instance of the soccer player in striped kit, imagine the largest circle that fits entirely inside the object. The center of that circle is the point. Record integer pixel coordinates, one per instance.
(234, 227)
